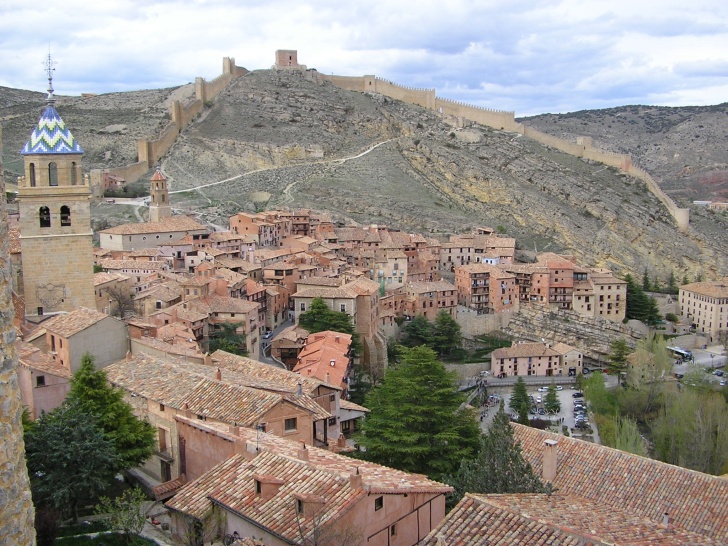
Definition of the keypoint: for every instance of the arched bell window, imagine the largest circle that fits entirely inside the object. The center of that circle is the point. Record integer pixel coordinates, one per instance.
(44, 216)
(65, 216)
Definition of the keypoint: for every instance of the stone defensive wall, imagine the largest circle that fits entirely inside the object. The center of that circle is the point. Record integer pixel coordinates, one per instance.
(150, 151)
(505, 121)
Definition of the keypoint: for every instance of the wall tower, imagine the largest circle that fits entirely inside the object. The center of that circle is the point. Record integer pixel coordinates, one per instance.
(56, 240)
(159, 207)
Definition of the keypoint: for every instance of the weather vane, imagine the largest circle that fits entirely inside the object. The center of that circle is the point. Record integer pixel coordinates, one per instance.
(49, 65)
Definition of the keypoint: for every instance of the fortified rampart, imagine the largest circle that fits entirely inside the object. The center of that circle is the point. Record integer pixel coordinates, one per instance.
(16, 507)
(505, 121)
(150, 151)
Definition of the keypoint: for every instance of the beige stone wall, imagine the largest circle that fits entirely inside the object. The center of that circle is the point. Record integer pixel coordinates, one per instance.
(16, 507)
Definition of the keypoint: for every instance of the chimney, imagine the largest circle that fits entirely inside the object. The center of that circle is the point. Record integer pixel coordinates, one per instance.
(328, 377)
(128, 356)
(341, 442)
(550, 454)
(187, 412)
(303, 452)
(666, 519)
(355, 479)
(207, 359)
(299, 392)
(234, 429)
(336, 339)
(218, 374)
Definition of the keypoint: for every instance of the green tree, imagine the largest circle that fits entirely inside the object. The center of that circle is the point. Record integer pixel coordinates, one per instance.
(447, 335)
(551, 401)
(124, 513)
(692, 431)
(319, 318)
(520, 402)
(601, 401)
(91, 393)
(671, 317)
(629, 438)
(646, 286)
(499, 466)
(618, 357)
(417, 422)
(227, 339)
(672, 287)
(640, 306)
(685, 280)
(69, 458)
(418, 332)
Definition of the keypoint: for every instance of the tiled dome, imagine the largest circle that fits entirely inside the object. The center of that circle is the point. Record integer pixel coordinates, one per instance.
(51, 136)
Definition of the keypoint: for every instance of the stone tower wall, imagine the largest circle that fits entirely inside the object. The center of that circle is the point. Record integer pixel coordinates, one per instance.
(16, 507)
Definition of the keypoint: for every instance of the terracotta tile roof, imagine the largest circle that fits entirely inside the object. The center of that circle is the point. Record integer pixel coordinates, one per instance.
(104, 277)
(134, 265)
(325, 292)
(167, 489)
(33, 358)
(647, 488)
(167, 225)
(146, 253)
(183, 385)
(71, 323)
(173, 349)
(525, 350)
(264, 376)
(714, 289)
(223, 304)
(351, 406)
(320, 281)
(320, 351)
(324, 476)
(168, 291)
(420, 287)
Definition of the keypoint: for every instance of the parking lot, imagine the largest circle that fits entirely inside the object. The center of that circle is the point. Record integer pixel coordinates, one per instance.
(564, 417)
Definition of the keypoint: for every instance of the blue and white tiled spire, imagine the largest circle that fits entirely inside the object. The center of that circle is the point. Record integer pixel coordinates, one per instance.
(51, 136)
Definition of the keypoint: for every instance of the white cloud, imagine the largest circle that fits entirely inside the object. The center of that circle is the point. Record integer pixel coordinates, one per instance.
(529, 56)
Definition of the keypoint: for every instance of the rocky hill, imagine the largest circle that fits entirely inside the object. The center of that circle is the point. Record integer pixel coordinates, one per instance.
(370, 159)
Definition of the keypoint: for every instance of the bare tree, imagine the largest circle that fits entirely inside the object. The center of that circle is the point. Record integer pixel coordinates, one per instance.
(314, 531)
(121, 302)
(196, 532)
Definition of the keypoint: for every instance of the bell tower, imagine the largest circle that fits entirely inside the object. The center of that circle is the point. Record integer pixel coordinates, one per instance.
(56, 240)
(159, 207)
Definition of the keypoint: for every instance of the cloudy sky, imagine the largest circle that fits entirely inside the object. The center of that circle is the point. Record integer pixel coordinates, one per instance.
(529, 56)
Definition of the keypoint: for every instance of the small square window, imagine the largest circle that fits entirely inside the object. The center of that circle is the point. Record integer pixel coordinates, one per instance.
(332, 398)
(291, 424)
(40, 381)
(378, 503)
(332, 421)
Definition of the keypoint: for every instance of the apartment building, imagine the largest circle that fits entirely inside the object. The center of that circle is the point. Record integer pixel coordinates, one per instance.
(705, 306)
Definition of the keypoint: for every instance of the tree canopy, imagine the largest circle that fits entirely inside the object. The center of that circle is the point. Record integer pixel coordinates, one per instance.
(499, 466)
(416, 421)
(69, 457)
(319, 318)
(640, 306)
(520, 401)
(618, 356)
(91, 393)
(443, 335)
(228, 339)
(551, 402)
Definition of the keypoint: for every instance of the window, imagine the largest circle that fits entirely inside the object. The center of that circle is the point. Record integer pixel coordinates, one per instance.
(52, 174)
(342, 308)
(332, 421)
(65, 216)
(303, 306)
(299, 506)
(44, 215)
(378, 503)
(332, 398)
(32, 175)
(161, 407)
(291, 424)
(73, 173)
(259, 488)
(40, 381)
(393, 530)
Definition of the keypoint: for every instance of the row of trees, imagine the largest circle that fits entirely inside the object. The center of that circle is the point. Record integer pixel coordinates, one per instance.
(444, 335)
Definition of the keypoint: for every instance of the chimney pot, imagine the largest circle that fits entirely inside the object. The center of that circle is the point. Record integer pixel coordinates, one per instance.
(355, 480)
(303, 453)
(128, 356)
(300, 388)
(550, 455)
(666, 519)
(218, 374)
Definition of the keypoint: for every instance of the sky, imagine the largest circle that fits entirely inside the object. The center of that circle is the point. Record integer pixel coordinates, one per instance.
(526, 56)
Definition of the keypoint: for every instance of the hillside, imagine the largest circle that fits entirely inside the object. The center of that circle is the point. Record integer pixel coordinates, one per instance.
(302, 140)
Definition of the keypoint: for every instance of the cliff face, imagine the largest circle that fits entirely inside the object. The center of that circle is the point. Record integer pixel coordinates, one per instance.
(310, 144)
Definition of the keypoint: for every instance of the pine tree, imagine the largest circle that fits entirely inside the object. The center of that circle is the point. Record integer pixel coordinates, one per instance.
(92, 394)
(499, 466)
(416, 421)
(69, 458)
(646, 286)
(319, 318)
(618, 356)
(418, 332)
(520, 402)
(447, 335)
(551, 401)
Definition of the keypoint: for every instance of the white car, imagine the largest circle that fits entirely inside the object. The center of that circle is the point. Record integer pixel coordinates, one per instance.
(559, 388)
(268, 335)
(543, 389)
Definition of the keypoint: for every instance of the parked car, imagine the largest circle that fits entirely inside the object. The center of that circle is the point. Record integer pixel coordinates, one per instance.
(585, 371)
(543, 389)
(268, 335)
(719, 373)
(723, 382)
(541, 411)
(578, 395)
(559, 388)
